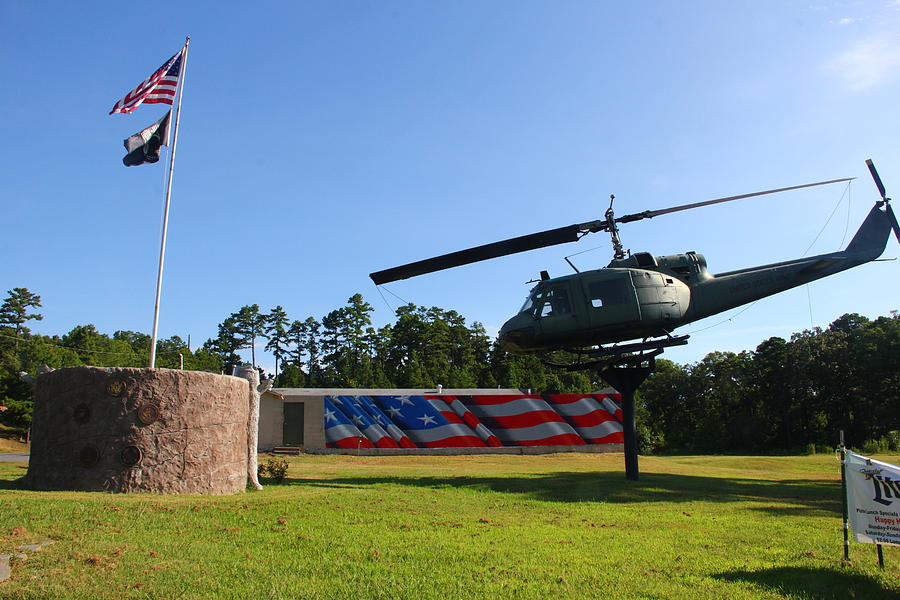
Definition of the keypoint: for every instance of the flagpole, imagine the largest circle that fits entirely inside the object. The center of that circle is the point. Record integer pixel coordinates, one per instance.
(846, 522)
(162, 245)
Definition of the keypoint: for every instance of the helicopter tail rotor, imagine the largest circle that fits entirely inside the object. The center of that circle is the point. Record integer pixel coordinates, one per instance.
(894, 224)
(887, 201)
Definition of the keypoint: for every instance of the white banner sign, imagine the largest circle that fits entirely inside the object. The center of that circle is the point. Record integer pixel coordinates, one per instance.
(873, 499)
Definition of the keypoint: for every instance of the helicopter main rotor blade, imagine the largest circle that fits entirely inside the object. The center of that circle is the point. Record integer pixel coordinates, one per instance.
(514, 245)
(649, 214)
(543, 239)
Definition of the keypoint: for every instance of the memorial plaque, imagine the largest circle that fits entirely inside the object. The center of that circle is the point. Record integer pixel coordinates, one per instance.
(116, 387)
(89, 456)
(147, 413)
(82, 414)
(131, 455)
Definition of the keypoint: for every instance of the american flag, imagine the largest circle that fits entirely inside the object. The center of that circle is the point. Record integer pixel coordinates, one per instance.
(439, 421)
(340, 432)
(596, 418)
(158, 88)
(353, 409)
(472, 421)
(395, 432)
(524, 421)
(429, 423)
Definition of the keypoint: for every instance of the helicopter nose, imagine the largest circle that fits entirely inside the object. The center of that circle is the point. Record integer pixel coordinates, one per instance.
(516, 337)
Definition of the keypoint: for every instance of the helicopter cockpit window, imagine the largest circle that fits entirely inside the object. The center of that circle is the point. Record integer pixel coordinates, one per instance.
(554, 301)
(607, 293)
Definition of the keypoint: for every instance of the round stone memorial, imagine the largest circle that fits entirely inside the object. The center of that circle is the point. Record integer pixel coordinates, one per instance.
(139, 430)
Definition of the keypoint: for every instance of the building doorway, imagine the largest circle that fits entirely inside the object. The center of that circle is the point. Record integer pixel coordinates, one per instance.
(292, 430)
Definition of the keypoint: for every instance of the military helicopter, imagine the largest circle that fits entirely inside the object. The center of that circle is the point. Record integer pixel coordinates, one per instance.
(644, 297)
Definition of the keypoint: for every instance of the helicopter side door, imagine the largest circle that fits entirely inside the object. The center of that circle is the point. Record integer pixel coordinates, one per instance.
(662, 298)
(610, 298)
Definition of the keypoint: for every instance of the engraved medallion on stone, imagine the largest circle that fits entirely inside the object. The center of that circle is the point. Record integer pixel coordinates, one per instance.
(131, 455)
(89, 456)
(115, 387)
(147, 413)
(81, 413)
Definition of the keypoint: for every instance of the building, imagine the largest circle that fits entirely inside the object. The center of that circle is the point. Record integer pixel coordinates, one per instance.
(356, 419)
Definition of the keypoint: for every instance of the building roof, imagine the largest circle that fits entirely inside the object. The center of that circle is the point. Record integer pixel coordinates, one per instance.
(408, 392)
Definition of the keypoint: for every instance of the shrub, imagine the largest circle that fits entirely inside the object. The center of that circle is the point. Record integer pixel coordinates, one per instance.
(883, 445)
(274, 468)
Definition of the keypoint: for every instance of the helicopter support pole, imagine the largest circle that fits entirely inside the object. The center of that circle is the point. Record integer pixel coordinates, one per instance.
(626, 380)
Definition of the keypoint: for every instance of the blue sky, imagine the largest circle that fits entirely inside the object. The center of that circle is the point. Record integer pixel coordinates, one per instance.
(321, 141)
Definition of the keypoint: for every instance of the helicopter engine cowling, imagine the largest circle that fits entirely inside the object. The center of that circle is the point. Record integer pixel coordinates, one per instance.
(689, 266)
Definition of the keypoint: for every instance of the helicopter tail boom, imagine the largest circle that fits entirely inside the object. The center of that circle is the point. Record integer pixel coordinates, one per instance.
(871, 237)
(724, 291)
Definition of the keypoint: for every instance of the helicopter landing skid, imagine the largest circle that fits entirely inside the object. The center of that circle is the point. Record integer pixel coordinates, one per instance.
(629, 354)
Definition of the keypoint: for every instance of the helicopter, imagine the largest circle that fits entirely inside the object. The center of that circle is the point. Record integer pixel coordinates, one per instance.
(644, 297)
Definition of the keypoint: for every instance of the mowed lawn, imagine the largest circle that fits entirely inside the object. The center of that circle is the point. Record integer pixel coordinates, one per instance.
(11, 441)
(551, 526)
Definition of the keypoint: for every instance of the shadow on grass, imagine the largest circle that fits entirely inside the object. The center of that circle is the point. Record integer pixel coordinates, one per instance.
(813, 584)
(792, 497)
(10, 474)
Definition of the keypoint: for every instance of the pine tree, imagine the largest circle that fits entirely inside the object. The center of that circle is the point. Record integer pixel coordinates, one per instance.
(14, 310)
(249, 324)
(276, 328)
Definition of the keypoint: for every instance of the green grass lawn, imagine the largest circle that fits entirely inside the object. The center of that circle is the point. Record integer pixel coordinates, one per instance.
(11, 440)
(551, 526)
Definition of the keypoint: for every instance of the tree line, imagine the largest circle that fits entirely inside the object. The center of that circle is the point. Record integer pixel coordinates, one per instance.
(785, 395)
(422, 348)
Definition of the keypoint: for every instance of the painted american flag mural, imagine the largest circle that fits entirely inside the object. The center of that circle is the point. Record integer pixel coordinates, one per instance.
(472, 421)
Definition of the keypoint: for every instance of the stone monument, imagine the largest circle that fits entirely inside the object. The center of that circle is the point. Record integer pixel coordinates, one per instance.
(142, 430)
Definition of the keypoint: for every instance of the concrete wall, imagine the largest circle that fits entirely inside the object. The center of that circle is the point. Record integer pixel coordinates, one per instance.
(271, 417)
(271, 414)
(525, 450)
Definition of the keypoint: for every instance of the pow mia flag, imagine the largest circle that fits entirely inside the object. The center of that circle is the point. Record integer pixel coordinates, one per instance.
(143, 147)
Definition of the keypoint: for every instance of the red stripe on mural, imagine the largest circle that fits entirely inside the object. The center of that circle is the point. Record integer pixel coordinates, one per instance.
(387, 442)
(529, 419)
(351, 442)
(591, 419)
(565, 439)
(614, 438)
(459, 441)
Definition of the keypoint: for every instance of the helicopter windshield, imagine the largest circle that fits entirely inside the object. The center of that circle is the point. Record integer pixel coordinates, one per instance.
(529, 301)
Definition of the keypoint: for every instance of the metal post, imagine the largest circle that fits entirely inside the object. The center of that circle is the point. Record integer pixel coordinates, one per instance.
(626, 380)
(880, 556)
(162, 245)
(629, 432)
(844, 498)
